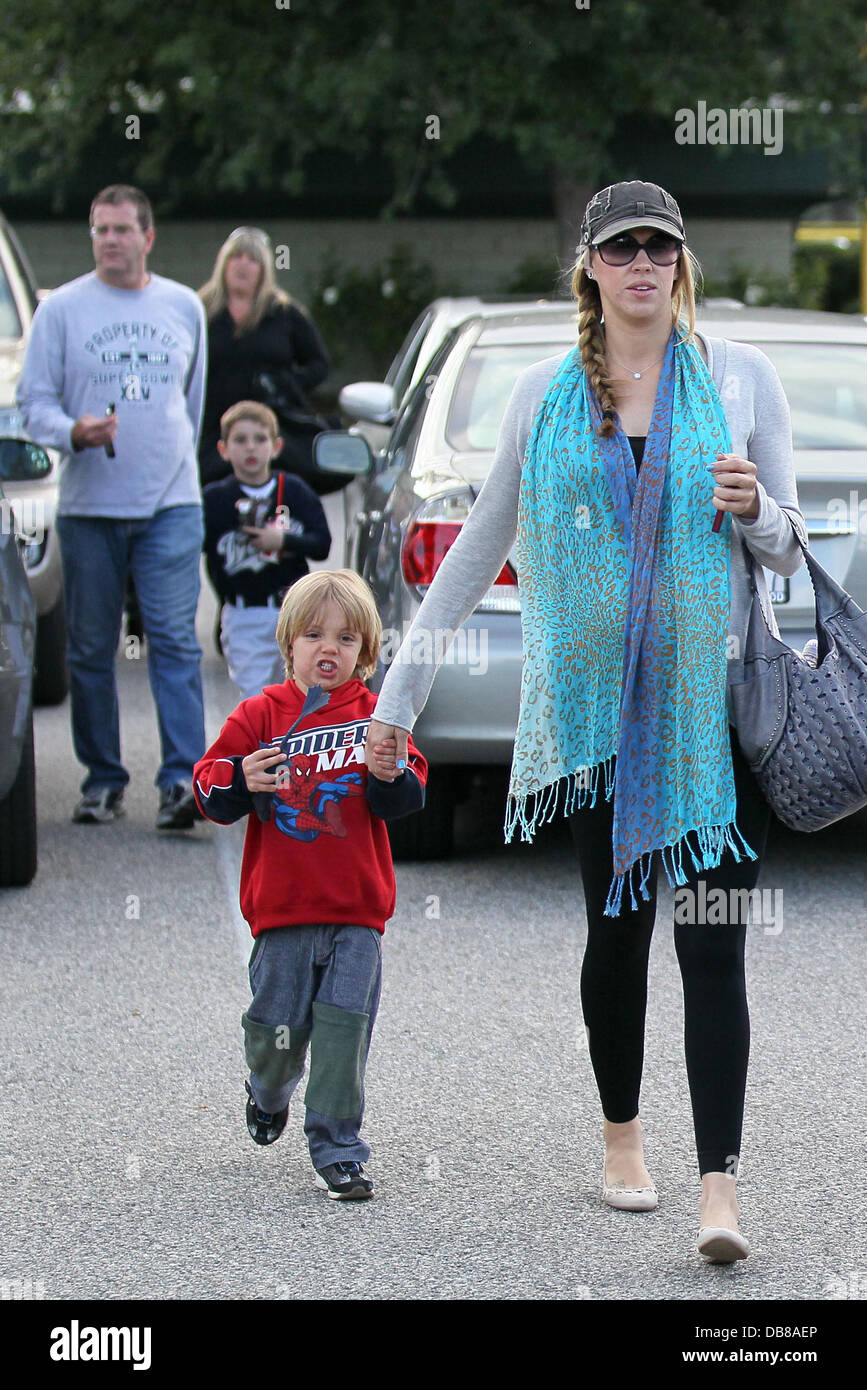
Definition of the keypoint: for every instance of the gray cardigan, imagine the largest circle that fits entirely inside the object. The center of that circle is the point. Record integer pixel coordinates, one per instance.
(760, 427)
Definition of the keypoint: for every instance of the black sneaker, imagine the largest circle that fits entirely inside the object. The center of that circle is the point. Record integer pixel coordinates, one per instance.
(344, 1181)
(99, 805)
(264, 1127)
(178, 809)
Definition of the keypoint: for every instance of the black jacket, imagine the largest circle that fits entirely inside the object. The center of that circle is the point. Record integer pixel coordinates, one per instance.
(235, 567)
(285, 343)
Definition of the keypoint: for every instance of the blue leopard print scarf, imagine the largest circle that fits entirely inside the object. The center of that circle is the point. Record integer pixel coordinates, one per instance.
(625, 603)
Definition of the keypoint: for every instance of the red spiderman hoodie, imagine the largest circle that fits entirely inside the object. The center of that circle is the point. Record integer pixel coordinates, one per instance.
(323, 856)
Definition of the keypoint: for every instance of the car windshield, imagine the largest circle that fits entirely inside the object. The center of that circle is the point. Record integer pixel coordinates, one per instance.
(826, 385)
(10, 322)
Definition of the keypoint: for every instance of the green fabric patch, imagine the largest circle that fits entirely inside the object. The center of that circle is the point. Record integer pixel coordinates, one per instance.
(274, 1054)
(338, 1047)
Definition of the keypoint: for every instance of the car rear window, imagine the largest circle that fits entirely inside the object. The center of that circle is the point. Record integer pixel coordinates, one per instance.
(825, 383)
(826, 386)
(483, 391)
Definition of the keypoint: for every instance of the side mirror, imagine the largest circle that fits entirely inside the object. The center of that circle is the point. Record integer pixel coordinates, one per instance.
(368, 400)
(335, 451)
(21, 461)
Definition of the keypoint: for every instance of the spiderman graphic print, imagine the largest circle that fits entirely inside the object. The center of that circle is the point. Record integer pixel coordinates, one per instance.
(306, 803)
(316, 848)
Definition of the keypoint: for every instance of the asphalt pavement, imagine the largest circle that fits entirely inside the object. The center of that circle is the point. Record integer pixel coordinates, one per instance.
(126, 1170)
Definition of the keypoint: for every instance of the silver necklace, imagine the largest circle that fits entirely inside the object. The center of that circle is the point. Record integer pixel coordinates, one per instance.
(636, 375)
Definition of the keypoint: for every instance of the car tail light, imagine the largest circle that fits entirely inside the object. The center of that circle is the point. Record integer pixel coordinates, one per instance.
(431, 533)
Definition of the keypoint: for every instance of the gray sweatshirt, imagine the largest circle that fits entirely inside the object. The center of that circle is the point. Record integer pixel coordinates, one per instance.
(145, 352)
(760, 428)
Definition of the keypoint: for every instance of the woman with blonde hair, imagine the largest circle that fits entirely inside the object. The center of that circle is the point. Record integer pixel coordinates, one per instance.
(262, 346)
(613, 463)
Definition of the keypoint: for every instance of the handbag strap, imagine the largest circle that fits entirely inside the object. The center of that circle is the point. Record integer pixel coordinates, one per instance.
(284, 381)
(831, 598)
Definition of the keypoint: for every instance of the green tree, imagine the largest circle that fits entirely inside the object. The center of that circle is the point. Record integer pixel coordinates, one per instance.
(236, 96)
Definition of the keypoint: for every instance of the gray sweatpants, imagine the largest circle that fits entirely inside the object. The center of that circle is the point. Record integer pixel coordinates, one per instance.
(315, 986)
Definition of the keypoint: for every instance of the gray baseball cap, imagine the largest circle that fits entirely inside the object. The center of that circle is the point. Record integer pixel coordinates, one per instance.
(622, 206)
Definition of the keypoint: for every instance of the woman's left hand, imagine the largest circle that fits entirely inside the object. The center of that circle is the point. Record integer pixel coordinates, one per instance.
(736, 489)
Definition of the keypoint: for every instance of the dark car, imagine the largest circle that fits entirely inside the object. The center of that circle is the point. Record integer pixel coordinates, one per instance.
(17, 642)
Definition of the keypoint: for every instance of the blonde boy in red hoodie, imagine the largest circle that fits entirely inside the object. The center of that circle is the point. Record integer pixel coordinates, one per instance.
(317, 882)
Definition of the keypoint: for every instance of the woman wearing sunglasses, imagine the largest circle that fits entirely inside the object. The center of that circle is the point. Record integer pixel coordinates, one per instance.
(613, 464)
(262, 346)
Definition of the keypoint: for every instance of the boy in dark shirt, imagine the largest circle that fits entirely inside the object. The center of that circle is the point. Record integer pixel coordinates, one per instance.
(261, 525)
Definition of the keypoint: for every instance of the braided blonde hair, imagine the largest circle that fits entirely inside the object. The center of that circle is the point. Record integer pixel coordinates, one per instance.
(591, 334)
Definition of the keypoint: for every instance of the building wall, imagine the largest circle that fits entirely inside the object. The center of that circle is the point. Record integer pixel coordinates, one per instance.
(469, 256)
(475, 255)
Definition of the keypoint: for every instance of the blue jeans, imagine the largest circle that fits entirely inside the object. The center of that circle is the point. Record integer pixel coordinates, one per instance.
(316, 986)
(163, 552)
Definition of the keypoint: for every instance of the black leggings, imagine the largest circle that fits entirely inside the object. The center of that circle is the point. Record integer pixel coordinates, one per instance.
(711, 958)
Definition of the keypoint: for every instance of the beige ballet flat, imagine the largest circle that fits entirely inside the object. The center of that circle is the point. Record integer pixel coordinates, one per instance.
(624, 1198)
(721, 1246)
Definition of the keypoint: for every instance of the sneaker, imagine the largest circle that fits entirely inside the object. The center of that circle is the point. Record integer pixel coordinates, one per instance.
(344, 1181)
(99, 805)
(178, 809)
(264, 1127)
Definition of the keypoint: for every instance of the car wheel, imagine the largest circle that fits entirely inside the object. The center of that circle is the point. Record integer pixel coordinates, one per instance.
(429, 834)
(51, 676)
(18, 821)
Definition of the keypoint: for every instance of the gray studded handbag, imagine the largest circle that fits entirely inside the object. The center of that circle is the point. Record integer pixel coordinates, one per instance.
(803, 728)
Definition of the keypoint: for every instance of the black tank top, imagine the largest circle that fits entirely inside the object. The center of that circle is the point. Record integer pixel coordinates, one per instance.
(636, 444)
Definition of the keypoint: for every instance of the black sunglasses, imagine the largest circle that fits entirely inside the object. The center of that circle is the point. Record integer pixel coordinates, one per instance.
(620, 250)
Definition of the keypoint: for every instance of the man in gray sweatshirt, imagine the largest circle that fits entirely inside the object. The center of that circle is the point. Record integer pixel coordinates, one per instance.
(114, 377)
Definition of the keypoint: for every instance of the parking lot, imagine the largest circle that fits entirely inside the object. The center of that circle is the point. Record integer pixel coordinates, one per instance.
(127, 1171)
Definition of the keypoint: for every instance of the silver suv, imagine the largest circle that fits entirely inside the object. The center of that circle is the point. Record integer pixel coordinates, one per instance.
(32, 501)
(418, 492)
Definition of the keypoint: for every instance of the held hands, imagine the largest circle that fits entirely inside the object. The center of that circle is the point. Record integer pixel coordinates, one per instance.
(735, 489)
(384, 748)
(386, 745)
(257, 768)
(94, 431)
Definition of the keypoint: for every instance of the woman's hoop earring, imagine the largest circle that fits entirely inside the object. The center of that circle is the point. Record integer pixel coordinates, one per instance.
(589, 274)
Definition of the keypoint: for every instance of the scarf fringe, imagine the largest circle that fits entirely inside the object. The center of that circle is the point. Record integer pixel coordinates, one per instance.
(711, 841)
(576, 789)
(705, 844)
